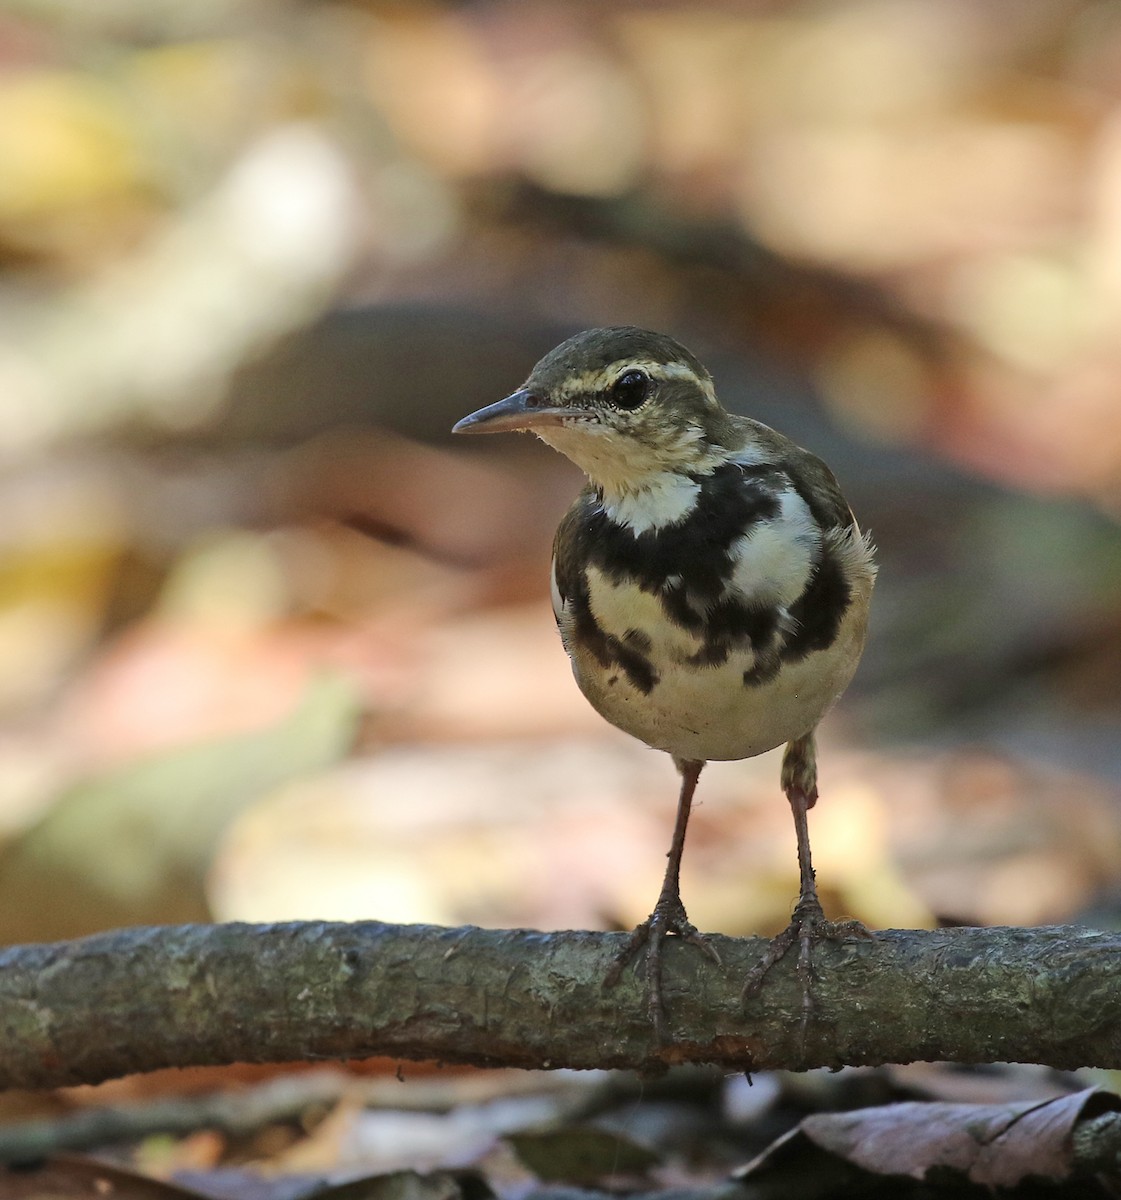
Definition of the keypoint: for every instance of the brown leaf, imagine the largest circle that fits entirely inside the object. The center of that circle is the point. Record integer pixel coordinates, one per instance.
(580, 1154)
(75, 1177)
(994, 1145)
(398, 1185)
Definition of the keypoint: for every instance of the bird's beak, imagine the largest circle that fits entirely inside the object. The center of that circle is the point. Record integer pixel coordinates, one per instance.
(523, 409)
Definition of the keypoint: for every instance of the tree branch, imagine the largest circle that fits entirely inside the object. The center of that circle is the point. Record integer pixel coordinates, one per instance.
(139, 999)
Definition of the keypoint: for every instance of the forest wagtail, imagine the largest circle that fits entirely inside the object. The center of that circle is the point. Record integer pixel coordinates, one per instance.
(710, 584)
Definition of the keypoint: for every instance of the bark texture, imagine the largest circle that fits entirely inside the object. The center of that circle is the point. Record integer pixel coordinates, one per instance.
(139, 999)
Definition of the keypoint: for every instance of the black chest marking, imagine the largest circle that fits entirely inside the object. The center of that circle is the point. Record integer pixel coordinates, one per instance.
(688, 565)
(817, 616)
(630, 653)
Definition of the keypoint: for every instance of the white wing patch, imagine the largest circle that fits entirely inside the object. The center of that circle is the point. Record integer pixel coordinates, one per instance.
(750, 455)
(773, 562)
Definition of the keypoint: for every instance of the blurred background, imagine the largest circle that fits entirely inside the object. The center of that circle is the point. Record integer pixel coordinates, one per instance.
(272, 646)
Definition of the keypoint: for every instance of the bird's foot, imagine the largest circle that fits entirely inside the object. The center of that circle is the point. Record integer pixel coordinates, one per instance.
(668, 918)
(807, 927)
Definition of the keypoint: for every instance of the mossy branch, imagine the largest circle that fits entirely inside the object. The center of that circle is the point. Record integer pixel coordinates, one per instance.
(139, 999)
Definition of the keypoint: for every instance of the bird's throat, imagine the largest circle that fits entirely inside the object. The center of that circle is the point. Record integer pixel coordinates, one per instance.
(651, 503)
(645, 485)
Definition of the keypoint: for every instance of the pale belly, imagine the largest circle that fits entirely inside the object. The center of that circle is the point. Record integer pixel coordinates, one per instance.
(709, 712)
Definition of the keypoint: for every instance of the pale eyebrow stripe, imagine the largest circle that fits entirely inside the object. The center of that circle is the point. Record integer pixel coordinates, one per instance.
(599, 380)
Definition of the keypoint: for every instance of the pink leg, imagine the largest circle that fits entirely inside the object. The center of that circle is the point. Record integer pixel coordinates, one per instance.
(669, 915)
(808, 924)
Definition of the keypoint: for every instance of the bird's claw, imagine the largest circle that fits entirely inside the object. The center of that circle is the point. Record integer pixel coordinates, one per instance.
(808, 926)
(668, 918)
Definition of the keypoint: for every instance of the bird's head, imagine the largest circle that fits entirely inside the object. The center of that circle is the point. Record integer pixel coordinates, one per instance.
(625, 405)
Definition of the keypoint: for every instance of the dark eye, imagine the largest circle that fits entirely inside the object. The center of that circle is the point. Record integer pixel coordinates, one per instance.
(630, 389)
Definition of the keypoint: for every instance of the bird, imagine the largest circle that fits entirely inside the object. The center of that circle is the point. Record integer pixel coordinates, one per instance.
(711, 587)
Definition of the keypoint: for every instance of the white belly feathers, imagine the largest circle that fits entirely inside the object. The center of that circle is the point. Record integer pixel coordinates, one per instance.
(700, 709)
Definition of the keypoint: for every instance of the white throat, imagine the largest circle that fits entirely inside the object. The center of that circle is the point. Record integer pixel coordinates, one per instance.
(658, 501)
(644, 486)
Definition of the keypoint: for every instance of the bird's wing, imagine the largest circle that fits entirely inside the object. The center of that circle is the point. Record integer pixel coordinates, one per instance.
(569, 585)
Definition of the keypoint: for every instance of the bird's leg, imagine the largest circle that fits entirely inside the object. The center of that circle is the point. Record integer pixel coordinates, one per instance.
(808, 923)
(669, 913)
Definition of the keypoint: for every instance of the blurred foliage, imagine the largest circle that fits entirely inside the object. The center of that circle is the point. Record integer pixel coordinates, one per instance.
(138, 841)
(180, 188)
(255, 258)
(271, 648)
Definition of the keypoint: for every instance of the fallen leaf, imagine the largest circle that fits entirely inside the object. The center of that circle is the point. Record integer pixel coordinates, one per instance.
(399, 1185)
(580, 1154)
(992, 1145)
(74, 1177)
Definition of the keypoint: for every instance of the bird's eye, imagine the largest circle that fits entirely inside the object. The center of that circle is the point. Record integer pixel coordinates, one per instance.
(630, 389)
